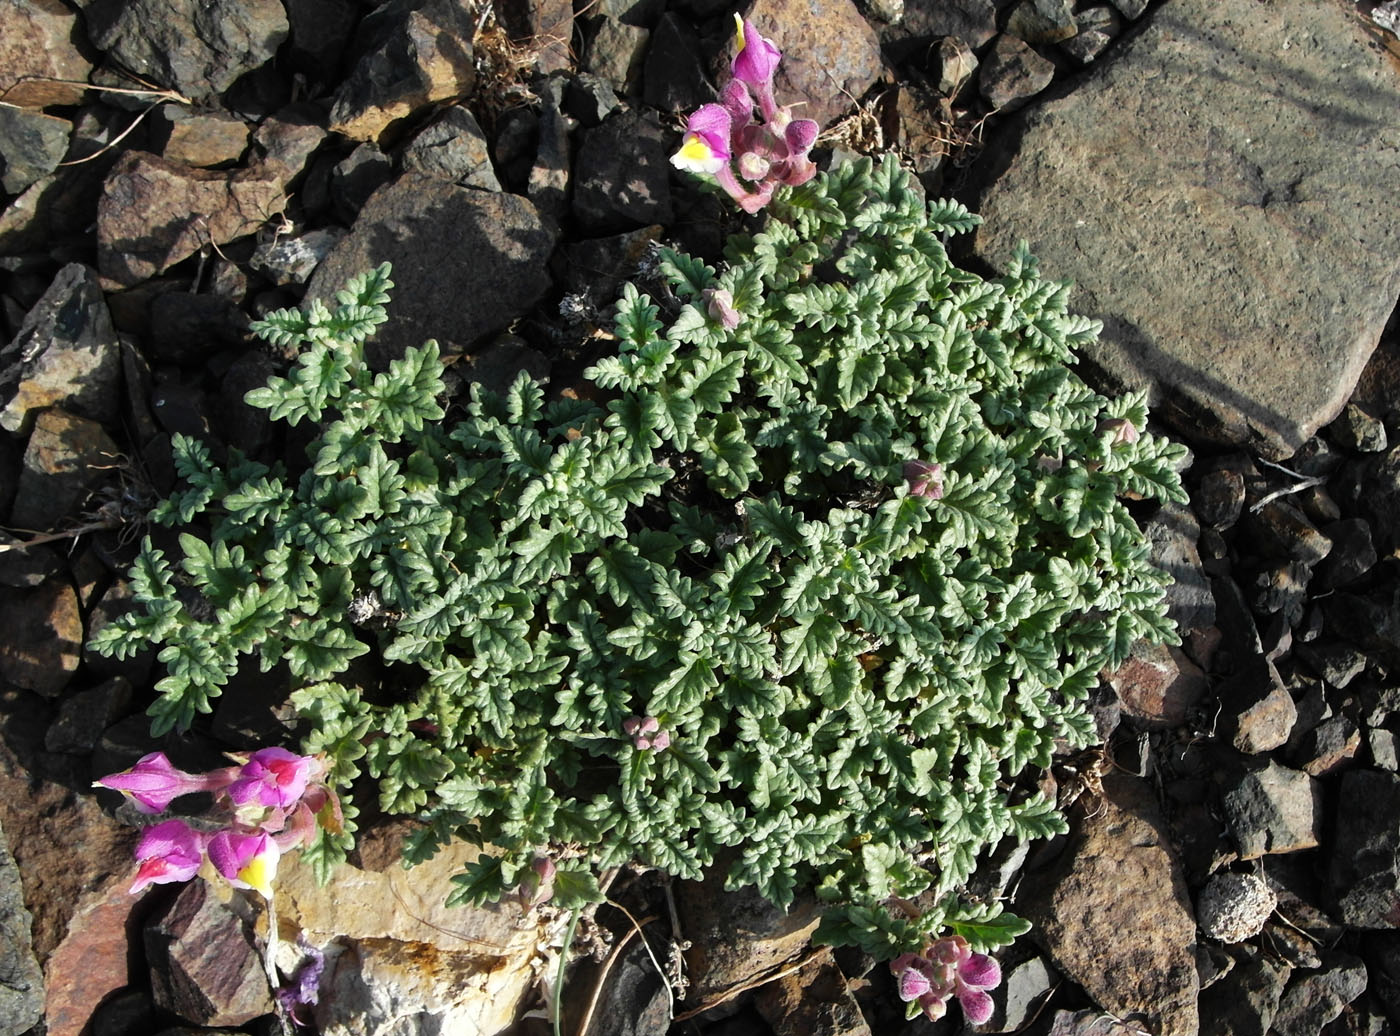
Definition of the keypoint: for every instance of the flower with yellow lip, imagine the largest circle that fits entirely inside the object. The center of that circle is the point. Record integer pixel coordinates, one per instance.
(247, 860)
(705, 147)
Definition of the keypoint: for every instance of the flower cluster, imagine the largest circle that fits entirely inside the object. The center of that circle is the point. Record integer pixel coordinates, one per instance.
(747, 156)
(646, 733)
(948, 968)
(273, 801)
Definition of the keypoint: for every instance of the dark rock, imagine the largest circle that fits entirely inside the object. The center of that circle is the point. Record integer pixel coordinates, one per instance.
(545, 28)
(632, 12)
(199, 49)
(956, 65)
(1327, 747)
(812, 1001)
(1318, 504)
(1357, 431)
(320, 31)
(548, 185)
(1337, 664)
(67, 458)
(154, 213)
(234, 421)
(21, 981)
(125, 1013)
(590, 99)
(1353, 553)
(1173, 532)
(205, 965)
(1118, 874)
(673, 77)
(924, 118)
(1384, 746)
(1273, 809)
(831, 55)
(632, 1002)
(1131, 8)
(1258, 713)
(1219, 497)
(1091, 1023)
(409, 54)
(1244, 1002)
(736, 936)
(201, 138)
(65, 354)
(185, 328)
(31, 146)
(617, 53)
(1158, 685)
(452, 147)
(287, 140)
(1316, 458)
(973, 21)
(621, 174)
(356, 177)
(254, 710)
(598, 268)
(26, 567)
(447, 244)
(1280, 589)
(1098, 27)
(1311, 1001)
(1364, 869)
(1285, 532)
(517, 133)
(1186, 211)
(1024, 990)
(181, 406)
(1012, 74)
(82, 717)
(1371, 621)
(1377, 496)
(40, 43)
(1042, 21)
(43, 637)
(292, 260)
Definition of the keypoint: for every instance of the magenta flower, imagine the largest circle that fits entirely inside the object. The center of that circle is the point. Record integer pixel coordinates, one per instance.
(924, 479)
(949, 969)
(719, 303)
(153, 783)
(247, 859)
(167, 852)
(646, 733)
(274, 778)
(705, 147)
(755, 63)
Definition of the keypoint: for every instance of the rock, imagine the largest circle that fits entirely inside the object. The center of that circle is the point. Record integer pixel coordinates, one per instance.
(590, 99)
(292, 260)
(1371, 621)
(1285, 532)
(201, 138)
(1089, 42)
(622, 174)
(1042, 21)
(196, 48)
(1244, 1002)
(356, 177)
(1219, 498)
(398, 960)
(632, 1002)
(39, 44)
(452, 147)
(447, 243)
(1311, 1001)
(1385, 749)
(1012, 74)
(956, 65)
(320, 31)
(737, 936)
(972, 21)
(1024, 990)
(186, 328)
(1377, 496)
(1357, 431)
(67, 458)
(831, 55)
(25, 567)
(1131, 8)
(1273, 809)
(82, 717)
(287, 141)
(21, 981)
(116, 601)
(1338, 664)
(1283, 190)
(1364, 870)
(1233, 907)
(43, 637)
(1353, 553)
(1158, 685)
(813, 1001)
(1327, 747)
(597, 268)
(410, 54)
(65, 355)
(1090, 1023)
(1117, 874)
(548, 185)
(545, 28)
(673, 76)
(90, 963)
(125, 1013)
(205, 963)
(1173, 532)
(1280, 588)
(31, 146)
(924, 117)
(154, 213)
(618, 53)
(1258, 712)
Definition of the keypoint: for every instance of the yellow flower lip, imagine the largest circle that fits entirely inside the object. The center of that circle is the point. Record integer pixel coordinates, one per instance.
(258, 873)
(738, 32)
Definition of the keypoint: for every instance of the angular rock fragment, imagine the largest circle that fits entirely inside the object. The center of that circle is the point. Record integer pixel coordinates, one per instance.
(39, 45)
(453, 148)
(1012, 73)
(1364, 872)
(622, 174)
(31, 146)
(1273, 809)
(21, 981)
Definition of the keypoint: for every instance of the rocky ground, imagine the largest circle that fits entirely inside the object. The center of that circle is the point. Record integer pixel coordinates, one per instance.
(1217, 176)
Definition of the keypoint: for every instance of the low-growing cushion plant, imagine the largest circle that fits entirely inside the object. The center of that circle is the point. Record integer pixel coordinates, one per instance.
(837, 551)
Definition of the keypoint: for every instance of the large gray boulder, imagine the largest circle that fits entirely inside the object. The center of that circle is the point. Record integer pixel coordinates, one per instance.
(1222, 192)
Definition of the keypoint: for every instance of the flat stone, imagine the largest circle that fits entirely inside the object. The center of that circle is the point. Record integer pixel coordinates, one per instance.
(831, 55)
(1258, 712)
(447, 244)
(1118, 874)
(1012, 73)
(411, 53)
(198, 47)
(31, 146)
(1364, 871)
(66, 459)
(21, 981)
(1257, 227)
(65, 354)
(38, 44)
(43, 637)
(1311, 1001)
(1158, 685)
(814, 1001)
(90, 964)
(201, 138)
(453, 148)
(1273, 809)
(1024, 989)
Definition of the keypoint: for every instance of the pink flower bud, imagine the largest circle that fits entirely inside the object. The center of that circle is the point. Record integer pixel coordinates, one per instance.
(753, 167)
(167, 852)
(1120, 430)
(913, 984)
(756, 58)
(153, 783)
(924, 479)
(719, 303)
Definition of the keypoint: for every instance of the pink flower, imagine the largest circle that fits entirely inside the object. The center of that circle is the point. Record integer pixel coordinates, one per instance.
(247, 859)
(719, 303)
(705, 147)
(755, 63)
(1119, 430)
(924, 479)
(646, 733)
(167, 852)
(274, 778)
(153, 783)
(949, 969)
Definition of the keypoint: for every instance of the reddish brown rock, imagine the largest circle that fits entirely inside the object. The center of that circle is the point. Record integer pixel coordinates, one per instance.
(66, 459)
(1114, 912)
(39, 44)
(91, 962)
(814, 999)
(1158, 685)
